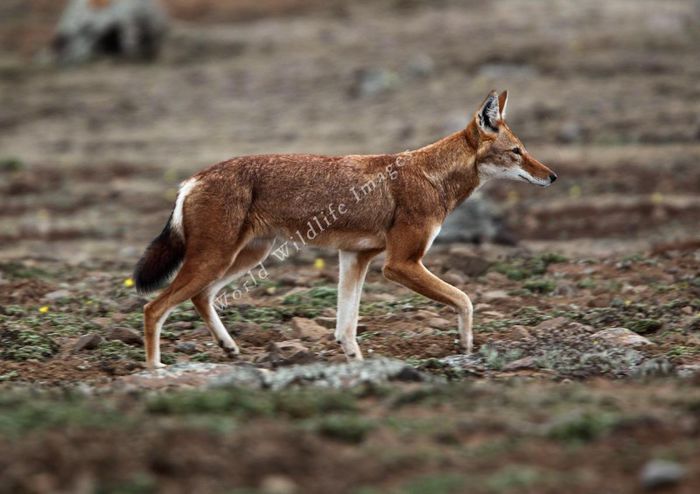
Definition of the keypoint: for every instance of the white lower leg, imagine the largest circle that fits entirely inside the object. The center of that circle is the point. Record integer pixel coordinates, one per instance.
(465, 322)
(156, 363)
(349, 293)
(218, 330)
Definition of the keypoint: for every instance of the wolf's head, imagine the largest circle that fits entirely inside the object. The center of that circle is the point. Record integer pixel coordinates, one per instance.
(500, 153)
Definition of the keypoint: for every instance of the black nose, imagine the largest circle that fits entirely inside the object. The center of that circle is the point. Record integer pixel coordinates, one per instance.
(552, 178)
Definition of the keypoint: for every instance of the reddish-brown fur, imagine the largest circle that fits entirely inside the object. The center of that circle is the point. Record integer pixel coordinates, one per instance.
(239, 207)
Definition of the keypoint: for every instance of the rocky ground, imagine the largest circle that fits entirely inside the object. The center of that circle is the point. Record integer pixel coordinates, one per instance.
(585, 374)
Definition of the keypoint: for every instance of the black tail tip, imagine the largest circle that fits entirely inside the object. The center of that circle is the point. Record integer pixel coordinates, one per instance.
(161, 259)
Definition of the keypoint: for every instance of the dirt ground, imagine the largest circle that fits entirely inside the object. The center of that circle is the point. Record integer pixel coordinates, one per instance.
(604, 92)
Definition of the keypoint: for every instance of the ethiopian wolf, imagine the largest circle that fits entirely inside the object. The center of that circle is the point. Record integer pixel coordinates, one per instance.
(227, 217)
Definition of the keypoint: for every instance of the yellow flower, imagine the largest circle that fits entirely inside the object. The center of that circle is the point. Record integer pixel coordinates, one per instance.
(44, 309)
(657, 198)
(128, 282)
(319, 263)
(575, 191)
(513, 197)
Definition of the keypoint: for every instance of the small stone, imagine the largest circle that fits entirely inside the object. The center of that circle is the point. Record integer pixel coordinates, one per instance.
(521, 364)
(125, 335)
(434, 350)
(551, 324)
(102, 322)
(56, 295)
(307, 329)
(186, 347)
(494, 296)
(492, 314)
(520, 332)
(439, 323)
(278, 484)
(289, 352)
(661, 473)
(453, 278)
(88, 341)
(621, 337)
(569, 132)
(181, 325)
(422, 315)
(472, 266)
(326, 322)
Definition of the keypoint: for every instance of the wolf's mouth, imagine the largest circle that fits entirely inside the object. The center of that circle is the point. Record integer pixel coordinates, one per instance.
(528, 180)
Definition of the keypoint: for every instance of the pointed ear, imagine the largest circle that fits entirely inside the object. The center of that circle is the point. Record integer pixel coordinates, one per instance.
(502, 103)
(488, 115)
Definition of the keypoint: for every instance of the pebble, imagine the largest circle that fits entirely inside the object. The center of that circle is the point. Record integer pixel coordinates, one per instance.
(661, 473)
(494, 296)
(278, 484)
(307, 329)
(57, 294)
(186, 347)
(88, 341)
(621, 337)
(125, 335)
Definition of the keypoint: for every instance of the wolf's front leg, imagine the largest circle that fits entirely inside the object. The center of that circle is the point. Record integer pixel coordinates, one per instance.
(353, 269)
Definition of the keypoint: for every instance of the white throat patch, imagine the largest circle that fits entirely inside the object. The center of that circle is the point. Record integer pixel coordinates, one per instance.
(488, 171)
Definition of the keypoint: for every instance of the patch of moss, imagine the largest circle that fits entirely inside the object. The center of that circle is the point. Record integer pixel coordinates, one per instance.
(117, 350)
(309, 403)
(345, 428)
(21, 413)
(582, 427)
(139, 483)
(19, 270)
(520, 268)
(515, 478)
(645, 326)
(26, 344)
(312, 302)
(201, 357)
(11, 164)
(234, 401)
(540, 285)
(449, 483)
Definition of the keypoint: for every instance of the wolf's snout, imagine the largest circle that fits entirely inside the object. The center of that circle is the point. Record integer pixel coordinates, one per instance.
(552, 178)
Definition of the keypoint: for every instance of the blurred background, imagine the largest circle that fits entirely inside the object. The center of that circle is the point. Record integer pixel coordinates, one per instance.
(105, 106)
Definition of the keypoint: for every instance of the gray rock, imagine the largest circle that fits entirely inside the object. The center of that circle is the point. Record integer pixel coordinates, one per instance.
(341, 375)
(653, 368)
(344, 375)
(521, 364)
(621, 337)
(494, 296)
(308, 330)
(125, 335)
(186, 347)
(506, 70)
(477, 220)
(570, 132)
(88, 341)
(373, 81)
(661, 473)
(57, 294)
(289, 353)
(420, 66)
(131, 29)
(326, 322)
(688, 370)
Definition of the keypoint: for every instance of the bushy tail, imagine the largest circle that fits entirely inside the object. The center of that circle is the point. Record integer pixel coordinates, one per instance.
(161, 259)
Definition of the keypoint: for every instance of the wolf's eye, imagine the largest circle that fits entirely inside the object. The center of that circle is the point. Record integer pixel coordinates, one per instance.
(517, 151)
